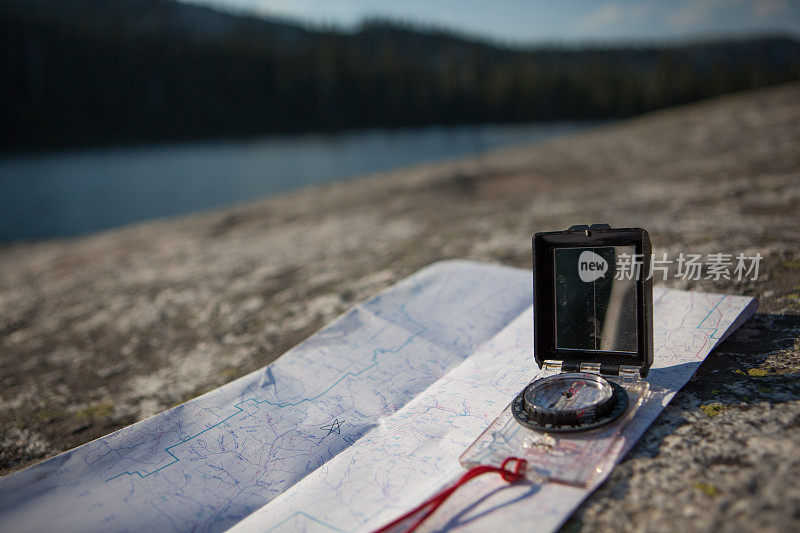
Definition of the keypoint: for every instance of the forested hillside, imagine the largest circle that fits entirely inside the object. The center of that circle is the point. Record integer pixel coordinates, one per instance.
(88, 72)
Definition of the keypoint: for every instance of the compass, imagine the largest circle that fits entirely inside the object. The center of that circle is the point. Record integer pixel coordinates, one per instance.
(568, 402)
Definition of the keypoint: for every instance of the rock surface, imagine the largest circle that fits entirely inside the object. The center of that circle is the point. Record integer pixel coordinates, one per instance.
(101, 331)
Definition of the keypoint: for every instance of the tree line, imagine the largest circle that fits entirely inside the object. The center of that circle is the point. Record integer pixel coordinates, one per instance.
(75, 74)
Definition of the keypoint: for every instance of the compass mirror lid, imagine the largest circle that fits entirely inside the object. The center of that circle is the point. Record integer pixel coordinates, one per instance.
(592, 299)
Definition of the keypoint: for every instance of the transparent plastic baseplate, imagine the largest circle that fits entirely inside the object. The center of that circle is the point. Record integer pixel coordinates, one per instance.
(568, 458)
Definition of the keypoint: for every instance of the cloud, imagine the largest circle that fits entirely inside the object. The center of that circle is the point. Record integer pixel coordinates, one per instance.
(766, 8)
(697, 12)
(611, 14)
(604, 16)
(690, 14)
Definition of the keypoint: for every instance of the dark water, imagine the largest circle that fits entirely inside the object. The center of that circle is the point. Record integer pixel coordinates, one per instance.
(69, 193)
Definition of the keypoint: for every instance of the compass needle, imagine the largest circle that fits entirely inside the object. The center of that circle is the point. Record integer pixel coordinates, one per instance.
(570, 401)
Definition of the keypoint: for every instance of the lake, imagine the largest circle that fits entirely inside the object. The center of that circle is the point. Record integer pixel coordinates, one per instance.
(70, 193)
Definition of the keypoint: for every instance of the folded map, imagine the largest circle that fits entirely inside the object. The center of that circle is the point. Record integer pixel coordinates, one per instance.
(360, 422)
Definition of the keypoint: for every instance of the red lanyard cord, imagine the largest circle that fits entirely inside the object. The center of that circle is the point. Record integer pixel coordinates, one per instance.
(429, 506)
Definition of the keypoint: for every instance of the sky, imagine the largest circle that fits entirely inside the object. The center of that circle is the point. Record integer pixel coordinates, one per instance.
(535, 21)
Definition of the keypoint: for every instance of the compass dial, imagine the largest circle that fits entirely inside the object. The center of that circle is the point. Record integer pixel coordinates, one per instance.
(569, 402)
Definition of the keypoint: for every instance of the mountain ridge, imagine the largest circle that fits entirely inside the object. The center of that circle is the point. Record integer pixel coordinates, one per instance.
(89, 72)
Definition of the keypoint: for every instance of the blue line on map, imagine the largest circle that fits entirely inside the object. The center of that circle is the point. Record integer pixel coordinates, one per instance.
(375, 355)
(709, 314)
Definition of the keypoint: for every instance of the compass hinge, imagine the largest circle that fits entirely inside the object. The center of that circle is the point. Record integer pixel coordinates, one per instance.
(590, 368)
(625, 372)
(555, 367)
(629, 373)
(551, 367)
